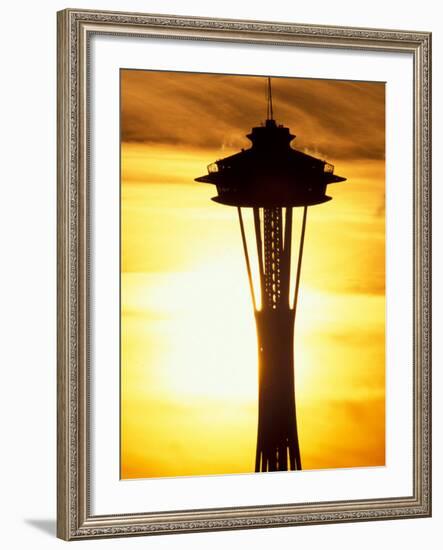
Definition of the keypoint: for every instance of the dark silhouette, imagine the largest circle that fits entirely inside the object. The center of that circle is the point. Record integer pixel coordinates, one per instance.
(272, 179)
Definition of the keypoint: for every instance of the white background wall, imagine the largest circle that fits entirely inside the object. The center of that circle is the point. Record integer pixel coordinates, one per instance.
(28, 273)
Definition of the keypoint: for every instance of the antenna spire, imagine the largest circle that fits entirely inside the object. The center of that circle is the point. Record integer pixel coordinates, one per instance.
(270, 111)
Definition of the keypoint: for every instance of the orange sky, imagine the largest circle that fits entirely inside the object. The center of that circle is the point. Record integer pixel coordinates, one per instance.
(189, 365)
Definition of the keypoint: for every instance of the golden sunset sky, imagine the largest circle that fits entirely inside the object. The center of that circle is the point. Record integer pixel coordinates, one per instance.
(188, 348)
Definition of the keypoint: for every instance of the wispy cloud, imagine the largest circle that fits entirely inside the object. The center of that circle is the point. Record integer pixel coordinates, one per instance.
(334, 119)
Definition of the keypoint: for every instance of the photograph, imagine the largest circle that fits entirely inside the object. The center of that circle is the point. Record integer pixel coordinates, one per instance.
(252, 274)
(220, 235)
(244, 291)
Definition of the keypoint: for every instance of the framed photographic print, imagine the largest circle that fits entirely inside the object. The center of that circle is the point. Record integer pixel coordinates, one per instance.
(243, 274)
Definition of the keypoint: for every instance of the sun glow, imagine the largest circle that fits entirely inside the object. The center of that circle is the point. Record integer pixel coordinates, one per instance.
(190, 370)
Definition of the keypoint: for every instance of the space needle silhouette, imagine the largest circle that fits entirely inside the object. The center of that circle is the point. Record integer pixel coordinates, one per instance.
(272, 178)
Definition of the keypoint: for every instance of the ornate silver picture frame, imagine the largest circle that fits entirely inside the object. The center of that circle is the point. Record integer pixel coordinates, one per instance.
(76, 517)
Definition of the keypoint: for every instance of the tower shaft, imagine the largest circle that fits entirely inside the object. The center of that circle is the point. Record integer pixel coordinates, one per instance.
(277, 439)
